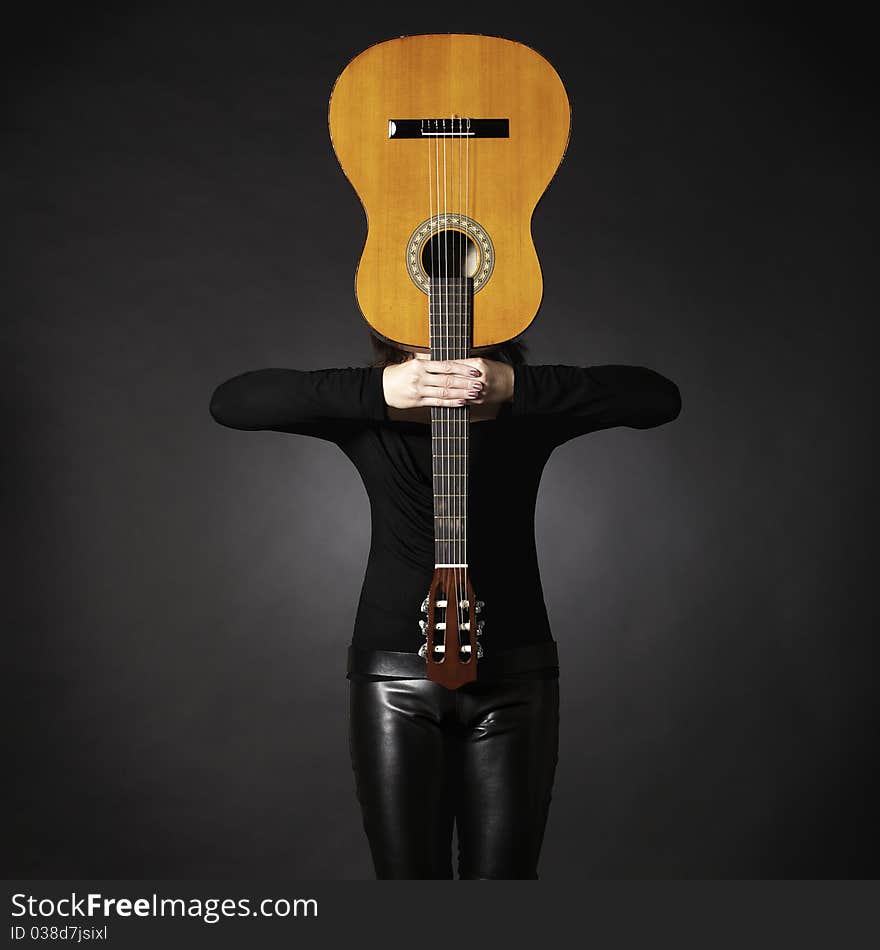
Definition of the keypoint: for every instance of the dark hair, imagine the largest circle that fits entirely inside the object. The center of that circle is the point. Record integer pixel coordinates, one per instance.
(512, 352)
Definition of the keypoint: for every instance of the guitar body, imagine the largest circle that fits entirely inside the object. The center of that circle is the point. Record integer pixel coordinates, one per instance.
(446, 134)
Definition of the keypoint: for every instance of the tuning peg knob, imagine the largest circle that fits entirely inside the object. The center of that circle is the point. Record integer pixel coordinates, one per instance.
(425, 606)
(423, 626)
(423, 651)
(478, 606)
(480, 627)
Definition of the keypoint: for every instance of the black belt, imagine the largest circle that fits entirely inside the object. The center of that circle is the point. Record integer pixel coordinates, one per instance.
(538, 656)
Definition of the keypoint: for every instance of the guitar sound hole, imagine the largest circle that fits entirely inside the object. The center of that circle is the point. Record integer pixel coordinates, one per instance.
(450, 253)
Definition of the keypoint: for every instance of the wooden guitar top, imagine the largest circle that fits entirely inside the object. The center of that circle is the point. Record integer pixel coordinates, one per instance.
(446, 133)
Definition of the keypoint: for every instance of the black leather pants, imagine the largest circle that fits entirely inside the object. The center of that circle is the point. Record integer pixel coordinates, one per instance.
(482, 757)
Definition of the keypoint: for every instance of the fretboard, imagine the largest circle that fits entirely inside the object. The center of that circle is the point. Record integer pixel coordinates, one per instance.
(450, 312)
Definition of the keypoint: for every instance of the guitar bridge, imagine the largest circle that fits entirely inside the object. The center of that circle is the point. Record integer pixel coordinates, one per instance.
(455, 126)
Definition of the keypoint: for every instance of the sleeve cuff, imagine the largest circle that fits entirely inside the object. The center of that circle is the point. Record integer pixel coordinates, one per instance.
(374, 394)
(519, 405)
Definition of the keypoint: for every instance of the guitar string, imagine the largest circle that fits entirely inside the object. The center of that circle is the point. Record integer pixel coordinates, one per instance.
(460, 412)
(469, 307)
(454, 413)
(446, 410)
(457, 411)
(455, 426)
(465, 412)
(438, 310)
(429, 640)
(453, 354)
(439, 314)
(470, 300)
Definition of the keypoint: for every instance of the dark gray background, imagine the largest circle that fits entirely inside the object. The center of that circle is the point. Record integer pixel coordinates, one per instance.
(181, 595)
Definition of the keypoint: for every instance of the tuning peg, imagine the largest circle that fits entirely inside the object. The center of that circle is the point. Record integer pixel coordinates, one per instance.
(478, 606)
(425, 605)
(480, 627)
(423, 650)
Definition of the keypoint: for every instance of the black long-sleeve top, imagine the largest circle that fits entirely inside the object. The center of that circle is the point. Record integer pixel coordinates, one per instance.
(551, 404)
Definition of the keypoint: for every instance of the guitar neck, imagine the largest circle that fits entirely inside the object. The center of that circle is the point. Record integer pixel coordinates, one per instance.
(450, 314)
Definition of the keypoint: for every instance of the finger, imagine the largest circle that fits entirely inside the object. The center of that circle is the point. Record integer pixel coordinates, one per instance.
(477, 363)
(450, 387)
(434, 401)
(450, 368)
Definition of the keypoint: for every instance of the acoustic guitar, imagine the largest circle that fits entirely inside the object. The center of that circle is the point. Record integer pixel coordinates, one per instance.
(449, 140)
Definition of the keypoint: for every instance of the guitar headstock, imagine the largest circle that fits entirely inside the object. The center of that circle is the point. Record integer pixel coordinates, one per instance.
(452, 627)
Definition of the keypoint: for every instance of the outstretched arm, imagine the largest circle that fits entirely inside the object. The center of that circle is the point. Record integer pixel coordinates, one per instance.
(574, 400)
(325, 403)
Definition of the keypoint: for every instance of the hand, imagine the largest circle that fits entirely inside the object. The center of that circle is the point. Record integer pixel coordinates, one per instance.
(426, 382)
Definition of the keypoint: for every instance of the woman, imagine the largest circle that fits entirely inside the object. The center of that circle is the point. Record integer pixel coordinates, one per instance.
(482, 757)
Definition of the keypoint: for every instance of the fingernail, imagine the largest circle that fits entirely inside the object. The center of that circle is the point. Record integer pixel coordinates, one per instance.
(462, 402)
(475, 372)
